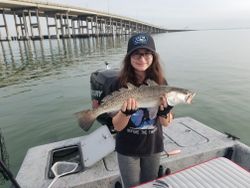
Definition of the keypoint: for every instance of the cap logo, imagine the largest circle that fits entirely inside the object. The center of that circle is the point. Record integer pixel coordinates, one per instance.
(140, 40)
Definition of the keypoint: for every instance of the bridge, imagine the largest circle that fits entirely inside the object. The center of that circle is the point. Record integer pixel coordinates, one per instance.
(34, 20)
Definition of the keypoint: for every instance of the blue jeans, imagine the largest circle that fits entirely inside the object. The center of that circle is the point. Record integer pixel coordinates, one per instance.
(137, 170)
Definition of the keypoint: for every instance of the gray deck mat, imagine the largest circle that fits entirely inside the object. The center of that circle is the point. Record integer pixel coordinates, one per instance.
(216, 173)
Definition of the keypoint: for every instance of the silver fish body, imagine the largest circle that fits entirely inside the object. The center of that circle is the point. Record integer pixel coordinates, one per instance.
(146, 96)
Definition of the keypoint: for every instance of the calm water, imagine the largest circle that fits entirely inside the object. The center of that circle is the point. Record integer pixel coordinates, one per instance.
(42, 84)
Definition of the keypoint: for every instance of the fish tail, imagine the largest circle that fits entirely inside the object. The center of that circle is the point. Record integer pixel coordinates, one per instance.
(85, 119)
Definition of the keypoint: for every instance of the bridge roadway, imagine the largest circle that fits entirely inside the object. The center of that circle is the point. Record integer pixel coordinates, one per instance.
(65, 21)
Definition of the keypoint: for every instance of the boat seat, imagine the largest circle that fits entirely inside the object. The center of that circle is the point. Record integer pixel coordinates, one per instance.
(216, 173)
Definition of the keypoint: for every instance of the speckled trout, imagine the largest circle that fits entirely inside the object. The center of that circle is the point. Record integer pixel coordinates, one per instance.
(146, 96)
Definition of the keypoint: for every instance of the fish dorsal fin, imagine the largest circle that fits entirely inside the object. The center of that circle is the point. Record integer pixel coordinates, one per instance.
(130, 86)
(114, 94)
(108, 97)
(119, 92)
(151, 82)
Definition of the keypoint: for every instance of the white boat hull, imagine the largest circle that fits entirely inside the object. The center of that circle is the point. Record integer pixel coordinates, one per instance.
(195, 142)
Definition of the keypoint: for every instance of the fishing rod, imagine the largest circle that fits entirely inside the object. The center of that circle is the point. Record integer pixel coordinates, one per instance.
(7, 175)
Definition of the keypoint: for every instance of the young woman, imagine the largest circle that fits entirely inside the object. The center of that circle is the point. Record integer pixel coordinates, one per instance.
(139, 139)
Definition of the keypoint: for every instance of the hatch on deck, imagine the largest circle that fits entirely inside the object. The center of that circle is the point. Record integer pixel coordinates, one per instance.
(66, 153)
(183, 135)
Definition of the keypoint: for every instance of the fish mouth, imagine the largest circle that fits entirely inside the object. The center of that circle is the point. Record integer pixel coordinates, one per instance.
(190, 97)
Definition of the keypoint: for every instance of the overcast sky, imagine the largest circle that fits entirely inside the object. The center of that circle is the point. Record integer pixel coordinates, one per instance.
(197, 14)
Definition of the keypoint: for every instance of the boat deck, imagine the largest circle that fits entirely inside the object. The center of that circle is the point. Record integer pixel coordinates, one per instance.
(196, 142)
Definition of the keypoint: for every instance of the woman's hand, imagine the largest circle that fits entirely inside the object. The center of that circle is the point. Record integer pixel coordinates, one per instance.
(163, 102)
(129, 107)
(120, 120)
(164, 113)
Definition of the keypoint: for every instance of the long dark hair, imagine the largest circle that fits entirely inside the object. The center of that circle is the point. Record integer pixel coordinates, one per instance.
(154, 72)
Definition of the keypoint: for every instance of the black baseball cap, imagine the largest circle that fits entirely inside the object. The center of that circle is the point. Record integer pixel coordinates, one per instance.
(140, 40)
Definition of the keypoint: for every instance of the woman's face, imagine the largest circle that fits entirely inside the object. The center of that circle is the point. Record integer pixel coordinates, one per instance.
(141, 59)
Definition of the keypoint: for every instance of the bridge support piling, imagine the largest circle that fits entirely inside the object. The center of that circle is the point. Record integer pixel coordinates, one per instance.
(5, 26)
(16, 26)
(67, 26)
(26, 37)
(61, 25)
(73, 27)
(96, 27)
(87, 26)
(56, 27)
(31, 25)
(48, 26)
(38, 25)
